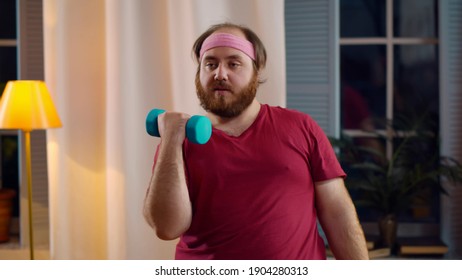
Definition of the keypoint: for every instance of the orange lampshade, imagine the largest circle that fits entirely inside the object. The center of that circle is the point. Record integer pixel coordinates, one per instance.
(27, 105)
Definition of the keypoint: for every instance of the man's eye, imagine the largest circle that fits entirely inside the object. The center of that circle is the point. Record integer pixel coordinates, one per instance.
(210, 65)
(234, 65)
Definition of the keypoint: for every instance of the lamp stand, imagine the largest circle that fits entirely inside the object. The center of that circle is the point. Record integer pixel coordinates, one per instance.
(29, 191)
(27, 105)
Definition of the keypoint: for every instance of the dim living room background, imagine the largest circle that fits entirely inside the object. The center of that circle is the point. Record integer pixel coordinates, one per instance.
(100, 59)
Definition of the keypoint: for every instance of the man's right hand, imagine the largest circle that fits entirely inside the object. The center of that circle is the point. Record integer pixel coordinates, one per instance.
(172, 127)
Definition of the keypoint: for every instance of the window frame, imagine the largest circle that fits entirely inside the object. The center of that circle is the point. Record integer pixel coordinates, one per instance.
(389, 42)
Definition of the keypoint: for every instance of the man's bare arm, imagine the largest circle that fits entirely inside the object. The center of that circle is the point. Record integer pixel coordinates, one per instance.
(167, 207)
(339, 220)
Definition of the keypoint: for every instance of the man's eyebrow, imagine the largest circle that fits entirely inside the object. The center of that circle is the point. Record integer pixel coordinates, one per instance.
(209, 57)
(235, 56)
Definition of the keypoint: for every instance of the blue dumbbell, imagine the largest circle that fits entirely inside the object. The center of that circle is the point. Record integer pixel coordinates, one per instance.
(198, 128)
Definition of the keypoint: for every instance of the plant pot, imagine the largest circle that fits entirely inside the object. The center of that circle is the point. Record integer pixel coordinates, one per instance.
(6, 211)
(388, 228)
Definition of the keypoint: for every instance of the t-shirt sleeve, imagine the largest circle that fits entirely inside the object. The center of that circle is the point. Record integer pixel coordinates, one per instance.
(323, 161)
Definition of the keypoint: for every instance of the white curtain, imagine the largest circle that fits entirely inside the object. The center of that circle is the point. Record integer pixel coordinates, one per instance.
(107, 63)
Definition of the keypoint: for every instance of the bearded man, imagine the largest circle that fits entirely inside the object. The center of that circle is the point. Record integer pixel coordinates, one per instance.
(258, 187)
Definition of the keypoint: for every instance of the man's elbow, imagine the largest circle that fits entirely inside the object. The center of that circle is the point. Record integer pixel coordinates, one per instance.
(167, 235)
(171, 231)
(164, 232)
(167, 228)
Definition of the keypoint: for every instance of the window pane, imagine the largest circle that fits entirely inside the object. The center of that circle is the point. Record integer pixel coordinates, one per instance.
(416, 81)
(415, 18)
(363, 90)
(7, 19)
(7, 65)
(362, 18)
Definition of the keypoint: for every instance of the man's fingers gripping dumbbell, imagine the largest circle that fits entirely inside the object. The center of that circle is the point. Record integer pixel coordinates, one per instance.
(198, 128)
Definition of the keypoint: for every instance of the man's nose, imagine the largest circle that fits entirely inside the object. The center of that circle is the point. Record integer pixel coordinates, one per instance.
(221, 73)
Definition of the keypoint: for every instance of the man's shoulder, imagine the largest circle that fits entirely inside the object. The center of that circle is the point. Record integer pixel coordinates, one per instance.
(293, 118)
(287, 112)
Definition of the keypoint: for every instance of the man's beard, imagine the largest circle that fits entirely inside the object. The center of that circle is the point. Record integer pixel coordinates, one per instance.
(218, 105)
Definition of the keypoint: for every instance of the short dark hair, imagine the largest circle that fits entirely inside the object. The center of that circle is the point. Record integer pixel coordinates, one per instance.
(260, 52)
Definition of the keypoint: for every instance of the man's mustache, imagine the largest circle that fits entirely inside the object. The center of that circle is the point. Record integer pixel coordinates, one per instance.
(221, 85)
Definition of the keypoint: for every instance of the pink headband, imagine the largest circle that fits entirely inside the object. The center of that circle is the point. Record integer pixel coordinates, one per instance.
(228, 40)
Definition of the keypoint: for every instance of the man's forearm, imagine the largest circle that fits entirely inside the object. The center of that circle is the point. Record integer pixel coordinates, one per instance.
(347, 242)
(167, 207)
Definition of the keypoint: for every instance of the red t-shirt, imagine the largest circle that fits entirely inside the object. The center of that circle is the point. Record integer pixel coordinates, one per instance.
(253, 195)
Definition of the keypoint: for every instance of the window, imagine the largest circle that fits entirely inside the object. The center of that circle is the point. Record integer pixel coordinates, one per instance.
(8, 43)
(389, 71)
(9, 175)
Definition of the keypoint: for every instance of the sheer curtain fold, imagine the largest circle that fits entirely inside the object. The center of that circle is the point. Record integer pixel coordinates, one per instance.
(108, 63)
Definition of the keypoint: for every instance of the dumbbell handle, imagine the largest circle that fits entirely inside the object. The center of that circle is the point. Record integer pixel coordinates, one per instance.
(198, 128)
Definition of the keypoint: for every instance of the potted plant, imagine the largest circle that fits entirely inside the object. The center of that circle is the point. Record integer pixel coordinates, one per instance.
(6, 210)
(393, 183)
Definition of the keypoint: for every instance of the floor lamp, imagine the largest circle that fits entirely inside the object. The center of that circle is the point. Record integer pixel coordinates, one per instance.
(26, 106)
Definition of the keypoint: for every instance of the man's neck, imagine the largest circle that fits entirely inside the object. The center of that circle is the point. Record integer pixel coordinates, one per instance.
(237, 125)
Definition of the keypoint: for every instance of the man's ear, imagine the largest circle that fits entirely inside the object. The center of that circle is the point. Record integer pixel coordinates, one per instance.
(260, 77)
